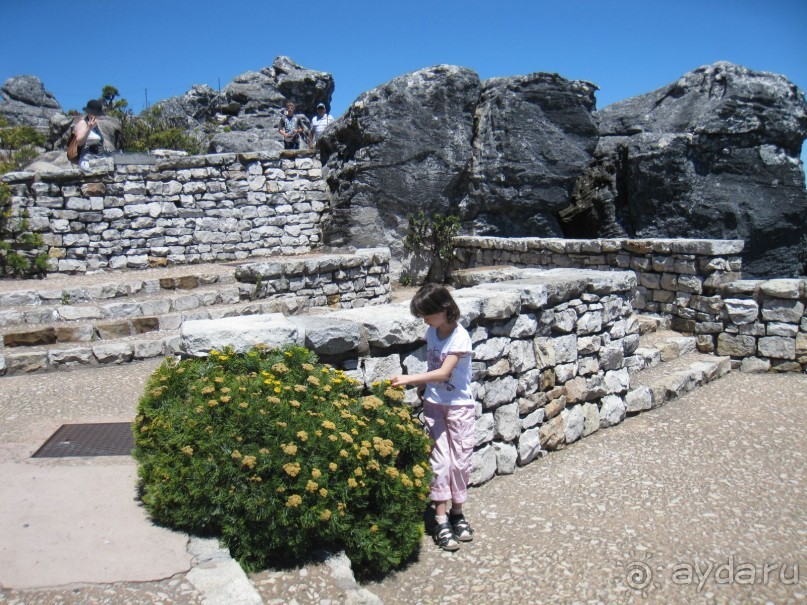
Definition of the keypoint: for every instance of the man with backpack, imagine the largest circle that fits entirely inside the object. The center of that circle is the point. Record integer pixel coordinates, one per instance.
(290, 128)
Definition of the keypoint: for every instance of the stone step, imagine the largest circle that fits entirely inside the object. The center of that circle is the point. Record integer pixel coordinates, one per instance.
(34, 319)
(60, 290)
(668, 380)
(17, 338)
(127, 340)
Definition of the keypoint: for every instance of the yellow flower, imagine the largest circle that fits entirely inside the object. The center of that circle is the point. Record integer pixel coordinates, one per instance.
(332, 437)
(292, 469)
(371, 402)
(373, 465)
(280, 368)
(307, 367)
(218, 380)
(395, 394)
(325, 515)
(236, 455)
(345, 437)
(406, 481)
(214, 353)
(313, 380)
(381, 421)
(294, 403)
(311, 486)
(384, 447)
(391, 472)
(327, 424)
(332, 466)
(263, 451)
(187, 450)
(212, 403)
(294, 501)
(278, 390)
(352, 482)
(223, 358)
(358, 472)
(225, 399)
(343, 453)
(207, 390)
(418, 471)
(249, 461)
(364, 451)
(302, 435)
(374, 528)
(289, 448)
(323, 492)
(225, 390)
(281, 424)
(316, 473)
(243, 405)
(273, 399)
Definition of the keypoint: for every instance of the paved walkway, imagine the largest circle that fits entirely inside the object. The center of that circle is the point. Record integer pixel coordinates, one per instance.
(684, 504)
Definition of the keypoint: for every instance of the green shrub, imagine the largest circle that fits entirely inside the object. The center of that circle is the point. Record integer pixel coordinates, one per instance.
(19, 146)
(20, 249)
(280, 455)
(431, 236)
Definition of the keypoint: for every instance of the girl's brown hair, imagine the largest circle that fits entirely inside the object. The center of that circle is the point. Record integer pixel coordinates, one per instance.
(433, 298)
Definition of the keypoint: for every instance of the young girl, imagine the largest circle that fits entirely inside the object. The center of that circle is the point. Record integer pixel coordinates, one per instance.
(448, 408)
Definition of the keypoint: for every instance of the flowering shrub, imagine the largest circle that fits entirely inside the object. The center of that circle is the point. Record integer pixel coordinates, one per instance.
(281, 455)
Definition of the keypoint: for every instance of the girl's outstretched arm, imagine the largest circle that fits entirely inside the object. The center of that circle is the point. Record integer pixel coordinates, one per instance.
(441, 374)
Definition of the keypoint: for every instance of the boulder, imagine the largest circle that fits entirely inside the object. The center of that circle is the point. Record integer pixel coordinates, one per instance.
(400, 148)
(25, 102)
(534, 135)
(246, 112)
(712, 155)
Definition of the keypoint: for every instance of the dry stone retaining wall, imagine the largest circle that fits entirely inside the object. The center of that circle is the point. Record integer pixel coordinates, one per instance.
(182, 210)
(551, 355)
(696, 282)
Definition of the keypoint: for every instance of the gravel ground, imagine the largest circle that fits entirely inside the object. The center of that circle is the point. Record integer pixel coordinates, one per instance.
(687, 503)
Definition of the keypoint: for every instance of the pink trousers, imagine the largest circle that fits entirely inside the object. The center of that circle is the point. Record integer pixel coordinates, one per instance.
(451, 428)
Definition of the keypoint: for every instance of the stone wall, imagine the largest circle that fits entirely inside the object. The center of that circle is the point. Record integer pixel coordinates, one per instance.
(182, 210)
(551, 355)
(695, 282)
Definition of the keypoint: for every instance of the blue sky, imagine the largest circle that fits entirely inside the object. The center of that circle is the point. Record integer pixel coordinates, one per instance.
(159, 48)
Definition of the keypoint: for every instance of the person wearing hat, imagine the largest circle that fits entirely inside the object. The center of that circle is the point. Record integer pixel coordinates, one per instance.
(90, 139)
(318, 125)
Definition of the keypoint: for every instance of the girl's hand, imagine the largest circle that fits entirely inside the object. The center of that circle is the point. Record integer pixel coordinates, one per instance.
(398, 381)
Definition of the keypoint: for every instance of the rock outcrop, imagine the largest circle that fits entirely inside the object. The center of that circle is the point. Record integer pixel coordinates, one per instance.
(401, 147)
(534, 135)
(244, 115)
(713, 155)
(25, 102)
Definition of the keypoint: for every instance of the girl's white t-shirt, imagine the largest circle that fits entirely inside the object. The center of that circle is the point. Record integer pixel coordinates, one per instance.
(457, 389)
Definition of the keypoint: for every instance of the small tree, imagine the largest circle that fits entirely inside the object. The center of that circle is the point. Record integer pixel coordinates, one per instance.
(430, 238)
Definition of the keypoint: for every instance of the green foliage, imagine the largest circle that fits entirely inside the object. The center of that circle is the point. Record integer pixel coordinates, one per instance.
(150, 130)
(19, 247)
(280, 455)
(19, 145)
(432, 236)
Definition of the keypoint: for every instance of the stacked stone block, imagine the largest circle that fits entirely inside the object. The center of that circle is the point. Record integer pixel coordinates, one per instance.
(763, 325)
(182, 210)
(695, 282)
(551, 353)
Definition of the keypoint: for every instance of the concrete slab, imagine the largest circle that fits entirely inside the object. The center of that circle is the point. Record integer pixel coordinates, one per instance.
(79, 521)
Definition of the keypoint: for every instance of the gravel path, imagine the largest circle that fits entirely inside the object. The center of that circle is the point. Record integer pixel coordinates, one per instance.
(714, 479)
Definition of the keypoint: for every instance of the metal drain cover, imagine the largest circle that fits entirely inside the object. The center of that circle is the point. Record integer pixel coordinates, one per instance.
(99, 439)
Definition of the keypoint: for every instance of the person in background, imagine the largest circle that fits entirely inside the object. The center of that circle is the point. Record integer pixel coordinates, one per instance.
(290, 128)
(449, 410)
(90, 139)
(318, 124)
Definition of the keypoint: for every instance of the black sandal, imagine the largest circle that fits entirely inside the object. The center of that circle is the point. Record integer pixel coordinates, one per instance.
(444, 537)
(461, 528)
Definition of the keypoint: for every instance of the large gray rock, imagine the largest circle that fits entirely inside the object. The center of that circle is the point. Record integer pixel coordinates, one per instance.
(713, 155)
(400, 148)
(246, 112)
(534, 136)
(25, 102)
